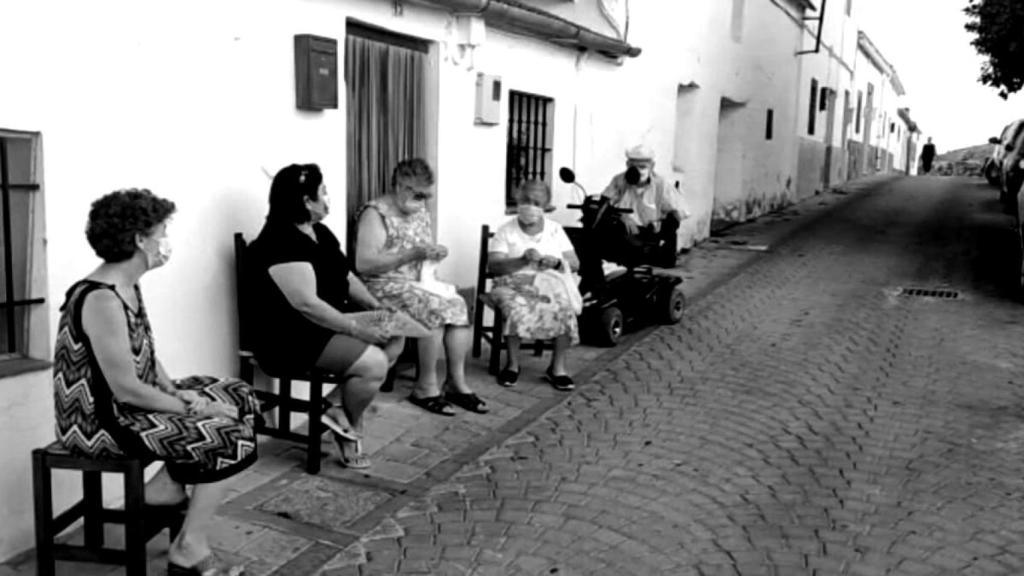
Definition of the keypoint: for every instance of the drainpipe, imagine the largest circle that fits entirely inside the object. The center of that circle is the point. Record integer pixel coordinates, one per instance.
(520, 18)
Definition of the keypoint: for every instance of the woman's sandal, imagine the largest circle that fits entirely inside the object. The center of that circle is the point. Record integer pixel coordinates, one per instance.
(357, 461)
(508, 378)
(208, 566)
(561, 382)
(467, 401)
(436, 404)
(337, 421)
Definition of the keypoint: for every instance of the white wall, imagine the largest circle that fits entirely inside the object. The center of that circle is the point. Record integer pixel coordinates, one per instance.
(199, 109)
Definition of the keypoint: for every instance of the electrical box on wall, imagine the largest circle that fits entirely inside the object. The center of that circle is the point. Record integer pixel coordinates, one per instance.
(316, 72)
(488, 99)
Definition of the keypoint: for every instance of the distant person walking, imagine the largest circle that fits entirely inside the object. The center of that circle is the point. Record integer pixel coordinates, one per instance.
(927, 155)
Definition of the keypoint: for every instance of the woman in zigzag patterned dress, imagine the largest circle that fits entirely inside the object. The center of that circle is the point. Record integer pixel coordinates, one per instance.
(112, 396)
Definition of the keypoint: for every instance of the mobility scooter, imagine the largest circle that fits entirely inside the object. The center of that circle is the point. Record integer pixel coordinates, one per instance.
(636, 292)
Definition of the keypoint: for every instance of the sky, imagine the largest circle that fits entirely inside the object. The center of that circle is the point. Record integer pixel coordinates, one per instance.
(926, 42)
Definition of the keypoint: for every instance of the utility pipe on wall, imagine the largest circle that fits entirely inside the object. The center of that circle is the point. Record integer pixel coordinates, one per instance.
(520, 18)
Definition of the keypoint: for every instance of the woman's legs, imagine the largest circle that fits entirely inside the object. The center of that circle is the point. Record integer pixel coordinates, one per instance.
(192, 545)
(363, 378)
(512, 355)
(457, 340)
(562, 344)
(393, 348)
(429, 350)
(162, 490)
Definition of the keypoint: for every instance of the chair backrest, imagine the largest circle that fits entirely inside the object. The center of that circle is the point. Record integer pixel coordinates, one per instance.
(482, 275)
(241, 290)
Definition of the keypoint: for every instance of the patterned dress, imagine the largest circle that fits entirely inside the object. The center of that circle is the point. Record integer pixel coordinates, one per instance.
(400, 288)
(533, 310)
(92, 422)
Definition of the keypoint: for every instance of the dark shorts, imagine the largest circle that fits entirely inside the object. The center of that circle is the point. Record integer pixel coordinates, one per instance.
(341, 353)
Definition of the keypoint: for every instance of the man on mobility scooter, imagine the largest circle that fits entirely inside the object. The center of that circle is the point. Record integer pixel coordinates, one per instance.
(632, 224)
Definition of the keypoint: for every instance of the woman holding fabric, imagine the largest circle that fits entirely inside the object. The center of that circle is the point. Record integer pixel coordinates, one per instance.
(396, 257)
(534, 288)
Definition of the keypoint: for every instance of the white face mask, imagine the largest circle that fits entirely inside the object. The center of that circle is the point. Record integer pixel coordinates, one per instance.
(160, 256)
(530, 214)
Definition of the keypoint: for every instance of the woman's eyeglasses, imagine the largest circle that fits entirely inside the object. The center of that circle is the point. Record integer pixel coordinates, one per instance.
(418, 194)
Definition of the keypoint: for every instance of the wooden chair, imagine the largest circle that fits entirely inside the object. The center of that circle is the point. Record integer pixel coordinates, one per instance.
(492, 333)
(141, 522)
(283, 401)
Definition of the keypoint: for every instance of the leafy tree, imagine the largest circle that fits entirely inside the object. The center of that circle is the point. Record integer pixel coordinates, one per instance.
(998, 26)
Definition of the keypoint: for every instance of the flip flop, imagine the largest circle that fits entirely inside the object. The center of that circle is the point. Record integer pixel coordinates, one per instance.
(337, 421)
(436, 404)
(358, 461)
(467, 401)
(208, 566)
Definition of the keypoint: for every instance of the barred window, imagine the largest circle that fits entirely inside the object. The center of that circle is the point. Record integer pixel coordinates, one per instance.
(528, 149)
(21, 257)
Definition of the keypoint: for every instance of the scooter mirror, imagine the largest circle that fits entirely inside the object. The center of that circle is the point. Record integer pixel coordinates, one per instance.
(566, 175)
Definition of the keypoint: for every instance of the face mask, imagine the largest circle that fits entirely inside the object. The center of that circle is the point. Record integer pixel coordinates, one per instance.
(413, 206)
(161, 256)
(529, 214)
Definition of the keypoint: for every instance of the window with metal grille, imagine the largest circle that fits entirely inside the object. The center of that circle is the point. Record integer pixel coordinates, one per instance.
(860, 110)
(20, 242)
(769, 124)
(812, 112)
(528, 149)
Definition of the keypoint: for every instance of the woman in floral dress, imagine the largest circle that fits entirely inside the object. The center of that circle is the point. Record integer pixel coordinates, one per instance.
(112, 397)
(532, 258)
(396, 257)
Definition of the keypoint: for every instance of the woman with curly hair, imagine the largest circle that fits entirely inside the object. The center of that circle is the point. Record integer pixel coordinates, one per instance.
(113, 397)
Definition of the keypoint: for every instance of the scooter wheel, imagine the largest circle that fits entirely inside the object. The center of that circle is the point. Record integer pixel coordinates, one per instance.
(611, 326)
(673, 304)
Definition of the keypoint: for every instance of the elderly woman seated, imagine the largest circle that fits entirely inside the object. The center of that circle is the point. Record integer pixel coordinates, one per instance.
(200, 426)
(532, 258)
(396, 256)
(306, 290)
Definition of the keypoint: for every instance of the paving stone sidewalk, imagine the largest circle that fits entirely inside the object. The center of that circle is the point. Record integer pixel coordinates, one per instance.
(280, 520)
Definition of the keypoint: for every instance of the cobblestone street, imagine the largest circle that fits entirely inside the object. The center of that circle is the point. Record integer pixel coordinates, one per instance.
(805, 417)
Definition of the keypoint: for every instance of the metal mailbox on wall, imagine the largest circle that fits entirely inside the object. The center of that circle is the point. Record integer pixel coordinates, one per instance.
(316, 72)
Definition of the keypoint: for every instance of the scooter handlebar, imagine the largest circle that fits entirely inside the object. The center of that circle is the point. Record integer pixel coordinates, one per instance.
(612, 208)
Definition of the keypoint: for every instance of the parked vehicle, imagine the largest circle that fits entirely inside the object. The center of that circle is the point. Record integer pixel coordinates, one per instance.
(999, 164)
(1012, 168)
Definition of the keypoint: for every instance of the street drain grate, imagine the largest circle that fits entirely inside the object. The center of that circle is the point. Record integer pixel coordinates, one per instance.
(930, 293)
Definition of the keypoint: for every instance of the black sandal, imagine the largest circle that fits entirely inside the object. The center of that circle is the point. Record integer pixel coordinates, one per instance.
(508, 378)
(436, 404)
(467, 401)
(561, 382)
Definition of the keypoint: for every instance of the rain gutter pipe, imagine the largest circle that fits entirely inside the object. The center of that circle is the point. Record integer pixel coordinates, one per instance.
(521, 18)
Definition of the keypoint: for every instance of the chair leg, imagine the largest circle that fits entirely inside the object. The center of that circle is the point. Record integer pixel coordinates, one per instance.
(316, 409)
(496, 343)
(284, 413)
(92, 495)
(42, 492)
(134, 529)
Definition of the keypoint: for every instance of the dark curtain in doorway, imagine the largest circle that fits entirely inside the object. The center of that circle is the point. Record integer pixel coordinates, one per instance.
(385, 79)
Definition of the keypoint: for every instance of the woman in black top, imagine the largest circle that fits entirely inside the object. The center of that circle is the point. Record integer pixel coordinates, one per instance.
(305, 287)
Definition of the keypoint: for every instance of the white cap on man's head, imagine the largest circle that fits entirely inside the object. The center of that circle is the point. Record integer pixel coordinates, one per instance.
(640, 152)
